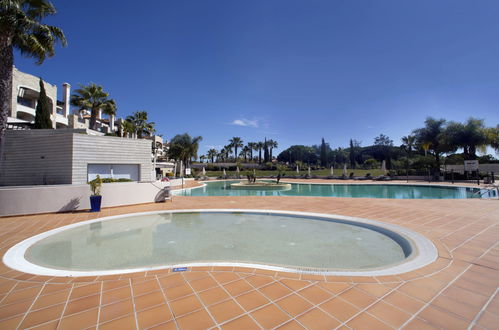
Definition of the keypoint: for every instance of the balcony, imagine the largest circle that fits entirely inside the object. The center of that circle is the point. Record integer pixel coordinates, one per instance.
(25, 113)
(61, 121)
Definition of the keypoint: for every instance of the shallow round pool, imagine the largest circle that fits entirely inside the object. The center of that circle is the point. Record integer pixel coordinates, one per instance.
(396, 191)
(265, 239)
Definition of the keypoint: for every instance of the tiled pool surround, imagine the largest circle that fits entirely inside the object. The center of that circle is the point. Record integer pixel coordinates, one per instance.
(457, 291)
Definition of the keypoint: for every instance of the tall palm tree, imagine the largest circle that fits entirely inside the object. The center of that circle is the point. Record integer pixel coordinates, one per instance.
(202, 158)
(211, 154)
(252, 146)
(184, 148)
(95, 99)
(21, 28)
(228, 150)
(272, 145)
(142, 126)
(246, 152)
(236, 142)
(222, 155)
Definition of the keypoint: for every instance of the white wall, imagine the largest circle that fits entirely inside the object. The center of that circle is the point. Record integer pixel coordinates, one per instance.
(62, 198)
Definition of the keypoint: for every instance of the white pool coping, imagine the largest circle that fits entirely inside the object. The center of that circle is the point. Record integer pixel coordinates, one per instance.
(424, 251)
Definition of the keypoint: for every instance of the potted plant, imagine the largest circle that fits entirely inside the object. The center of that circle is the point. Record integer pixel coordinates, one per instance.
(95, 198)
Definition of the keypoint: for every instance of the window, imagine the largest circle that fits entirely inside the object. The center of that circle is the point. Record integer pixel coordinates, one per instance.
(113, 171)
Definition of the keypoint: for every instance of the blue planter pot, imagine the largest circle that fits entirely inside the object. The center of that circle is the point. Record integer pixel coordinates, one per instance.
(95, 202)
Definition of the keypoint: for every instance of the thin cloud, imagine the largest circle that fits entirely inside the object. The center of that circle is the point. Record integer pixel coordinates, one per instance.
(245, 122)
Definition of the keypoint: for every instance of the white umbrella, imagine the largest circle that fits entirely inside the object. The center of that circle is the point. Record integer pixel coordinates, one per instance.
(345, 169)
(309, 173)
(225, 174)
(204, 171)
(297, 169)
(332, 170)
(383, 166)
(237, 170)
(254, 172)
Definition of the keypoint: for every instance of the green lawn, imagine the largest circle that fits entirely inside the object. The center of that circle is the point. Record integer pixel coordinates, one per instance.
(261, 173)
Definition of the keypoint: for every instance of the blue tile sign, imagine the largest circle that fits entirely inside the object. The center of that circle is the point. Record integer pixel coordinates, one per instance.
(180, 269)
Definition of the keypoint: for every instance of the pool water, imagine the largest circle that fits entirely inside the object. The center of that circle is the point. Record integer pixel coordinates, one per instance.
(166, 238)
(397, 191)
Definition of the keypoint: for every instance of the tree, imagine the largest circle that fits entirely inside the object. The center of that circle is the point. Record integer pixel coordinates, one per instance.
(299, 153)
(383, 144)
(142, 126)
(43, 109)
(184, 148)
(351, 154)
(493, 137)
(432, 138)
(212, 153)
(469, 136)
(127, 129)
(228, 150)
(236, 142)
(265, 151)
(259, 147)
(323, 153)
(246, 152)
(21, 28)
(272, 145)
(408, 143)
(92, 97)
(252, 146)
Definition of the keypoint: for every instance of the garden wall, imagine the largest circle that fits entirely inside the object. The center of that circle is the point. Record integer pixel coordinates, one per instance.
(63, 198)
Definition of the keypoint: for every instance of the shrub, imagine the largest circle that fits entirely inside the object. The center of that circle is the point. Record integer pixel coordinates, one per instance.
(110, 180)
(95, 186)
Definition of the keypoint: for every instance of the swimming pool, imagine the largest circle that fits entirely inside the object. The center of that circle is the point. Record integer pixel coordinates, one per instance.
(278, 240)
(396, 191)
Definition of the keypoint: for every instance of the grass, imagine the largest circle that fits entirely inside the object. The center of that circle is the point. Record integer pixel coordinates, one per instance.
(324, 173)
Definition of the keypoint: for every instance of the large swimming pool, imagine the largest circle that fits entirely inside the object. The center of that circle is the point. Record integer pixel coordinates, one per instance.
(279, 240)
(397, 191)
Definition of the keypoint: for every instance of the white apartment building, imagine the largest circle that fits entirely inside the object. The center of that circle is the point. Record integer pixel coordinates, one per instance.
(25, 92)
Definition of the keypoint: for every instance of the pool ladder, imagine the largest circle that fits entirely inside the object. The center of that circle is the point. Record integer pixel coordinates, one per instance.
(487, 189)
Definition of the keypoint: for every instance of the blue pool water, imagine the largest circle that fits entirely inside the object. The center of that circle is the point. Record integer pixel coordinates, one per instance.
(397, 191)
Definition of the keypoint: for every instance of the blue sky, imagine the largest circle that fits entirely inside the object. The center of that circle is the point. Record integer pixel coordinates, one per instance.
(292, 71)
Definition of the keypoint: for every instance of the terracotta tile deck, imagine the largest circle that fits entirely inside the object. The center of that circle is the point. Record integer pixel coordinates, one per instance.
(458, 291)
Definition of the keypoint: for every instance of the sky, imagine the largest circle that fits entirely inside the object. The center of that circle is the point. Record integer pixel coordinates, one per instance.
(291, 71)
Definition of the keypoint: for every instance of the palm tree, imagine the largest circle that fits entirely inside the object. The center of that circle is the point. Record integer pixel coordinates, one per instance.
(211, 154)
(470, 136)
(236, 142)
(245, 152)
(432, 138)
(222, 155)
(271, 144)
(142, 126)
(228, 150)
(21, 28)
(260, 146)
(252, 146)
(184, 148)
(93, 98)
(408, 143)
(127, 128)
(202, 158)
(493, 137)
